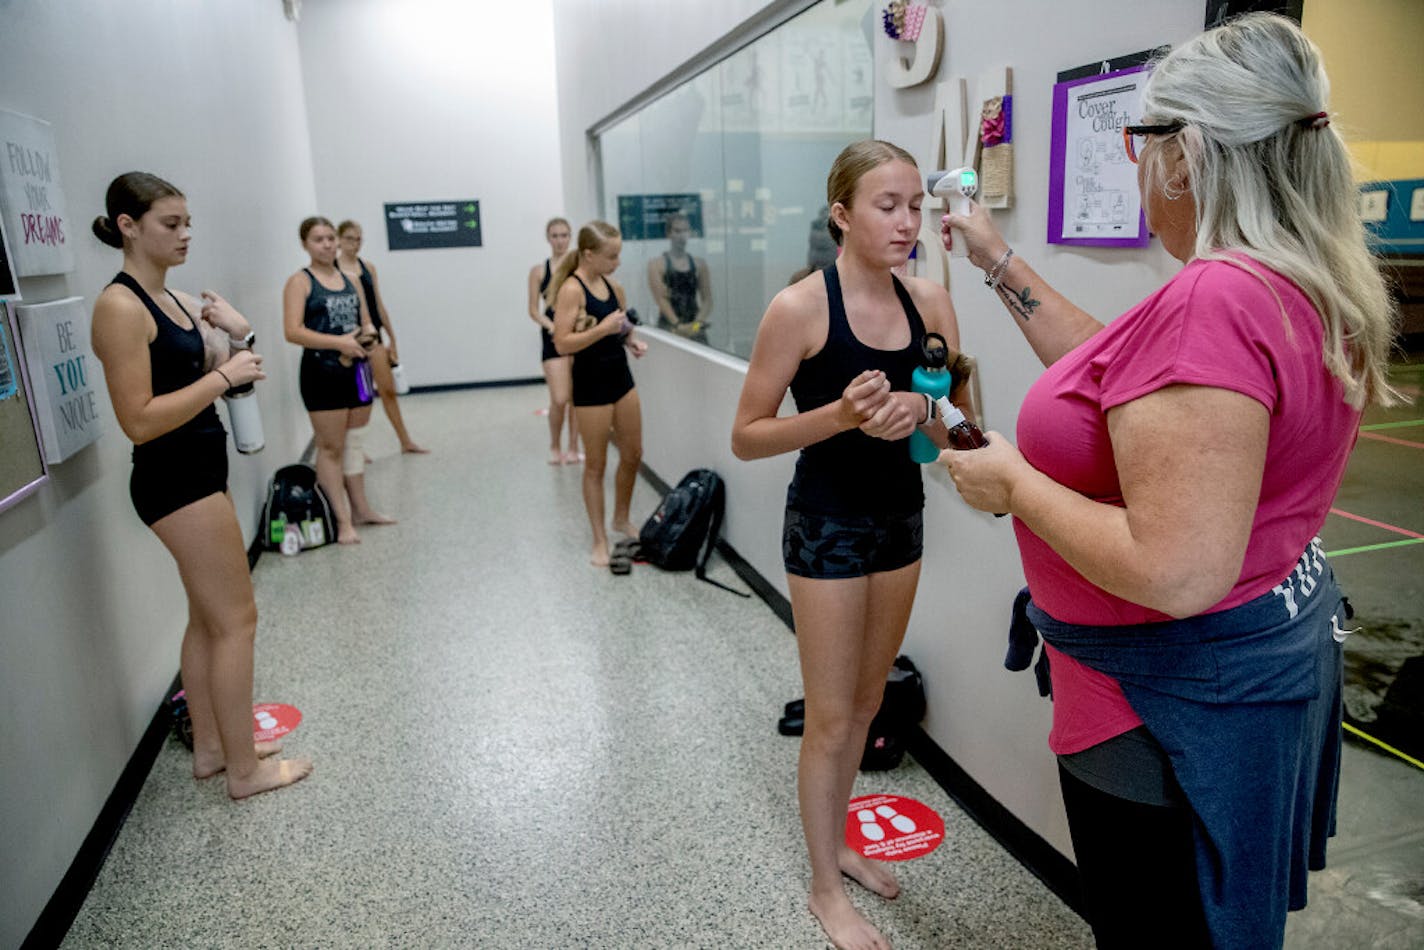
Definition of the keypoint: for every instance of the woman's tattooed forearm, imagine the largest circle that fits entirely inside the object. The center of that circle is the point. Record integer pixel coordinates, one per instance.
(1020, 302)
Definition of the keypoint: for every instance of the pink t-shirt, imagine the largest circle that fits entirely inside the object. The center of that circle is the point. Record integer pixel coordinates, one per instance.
(1216, 325)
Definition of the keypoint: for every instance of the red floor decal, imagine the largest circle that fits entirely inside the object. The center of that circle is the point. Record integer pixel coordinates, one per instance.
(271, 720)
(891, 828)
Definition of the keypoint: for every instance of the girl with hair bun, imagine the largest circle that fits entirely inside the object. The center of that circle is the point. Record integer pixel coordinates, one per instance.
(591, 324)
(163, 378)
(845, 342)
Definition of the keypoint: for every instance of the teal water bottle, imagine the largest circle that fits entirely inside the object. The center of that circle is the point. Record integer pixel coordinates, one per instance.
(933, 378)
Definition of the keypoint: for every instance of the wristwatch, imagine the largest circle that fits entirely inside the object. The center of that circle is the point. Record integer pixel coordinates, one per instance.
(246, 342)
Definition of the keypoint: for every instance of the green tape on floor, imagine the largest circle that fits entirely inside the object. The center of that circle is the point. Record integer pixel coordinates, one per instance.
(1374, 547)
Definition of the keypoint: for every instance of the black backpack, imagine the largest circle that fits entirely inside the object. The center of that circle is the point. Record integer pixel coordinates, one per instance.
(294, 497)
(902, 707)
(680, 535)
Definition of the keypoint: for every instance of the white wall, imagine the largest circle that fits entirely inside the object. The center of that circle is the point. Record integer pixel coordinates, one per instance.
(434, 100)
(990, 721)
(91, 610)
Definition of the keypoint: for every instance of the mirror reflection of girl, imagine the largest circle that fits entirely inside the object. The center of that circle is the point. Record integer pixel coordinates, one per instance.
(163, 387)
(681, 284)
(323, 313)
(558, 369)
(590, 322)
(383, 354)
(845, 342)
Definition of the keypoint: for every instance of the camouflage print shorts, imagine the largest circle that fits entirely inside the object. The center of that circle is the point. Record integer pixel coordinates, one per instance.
(825, 547)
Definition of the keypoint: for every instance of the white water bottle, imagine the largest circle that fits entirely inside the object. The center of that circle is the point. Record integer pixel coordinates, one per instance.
(398, 374)
(246, 418)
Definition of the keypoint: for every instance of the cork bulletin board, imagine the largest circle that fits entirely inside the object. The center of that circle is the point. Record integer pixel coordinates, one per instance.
(22, 465)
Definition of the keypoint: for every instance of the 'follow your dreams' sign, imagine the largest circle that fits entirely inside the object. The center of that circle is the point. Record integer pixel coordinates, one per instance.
(32, 197)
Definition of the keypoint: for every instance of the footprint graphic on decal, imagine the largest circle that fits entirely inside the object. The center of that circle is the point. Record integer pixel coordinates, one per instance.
(265, 719)
(897, 821)
(869, 827)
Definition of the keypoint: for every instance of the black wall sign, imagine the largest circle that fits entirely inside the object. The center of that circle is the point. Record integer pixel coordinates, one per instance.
(1111, 65)
(644, 217)
(412, 225)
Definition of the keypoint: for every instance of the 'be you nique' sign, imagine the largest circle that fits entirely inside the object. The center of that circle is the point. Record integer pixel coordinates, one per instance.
(64, 373)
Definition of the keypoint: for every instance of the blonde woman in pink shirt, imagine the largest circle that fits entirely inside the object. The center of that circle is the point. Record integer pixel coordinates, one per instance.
(1173, 468)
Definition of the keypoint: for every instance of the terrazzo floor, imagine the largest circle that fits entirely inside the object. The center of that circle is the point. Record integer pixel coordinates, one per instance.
(514, 750)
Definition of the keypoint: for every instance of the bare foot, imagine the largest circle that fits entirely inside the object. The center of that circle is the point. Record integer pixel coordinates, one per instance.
(347, 535)
(557, 458)
(411, 448)
(599, 556)
(372, 517)
(208, 764)
(871, 875)
(844, 925)
(625, 528)
(270, 774)
(573, 458)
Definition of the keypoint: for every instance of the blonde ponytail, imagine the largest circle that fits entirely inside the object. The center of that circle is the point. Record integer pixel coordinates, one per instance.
(591, 237)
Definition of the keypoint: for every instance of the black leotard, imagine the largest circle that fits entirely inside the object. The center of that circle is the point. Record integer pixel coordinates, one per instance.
(368, 289)
(180, 466)
(601, 374)
(851, 473)
(681, 294)
(547, 351)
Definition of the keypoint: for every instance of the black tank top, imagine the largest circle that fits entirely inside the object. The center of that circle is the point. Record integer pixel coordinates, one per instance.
(368, 288)
(543, 286)
(852, 474)
(608, 350)
(337, 312)
(681, 287)
(175, 359)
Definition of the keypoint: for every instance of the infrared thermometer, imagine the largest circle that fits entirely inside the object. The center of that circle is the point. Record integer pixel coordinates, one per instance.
(956, 186)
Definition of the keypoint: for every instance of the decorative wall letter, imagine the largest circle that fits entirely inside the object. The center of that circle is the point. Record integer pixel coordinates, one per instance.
(902, 73)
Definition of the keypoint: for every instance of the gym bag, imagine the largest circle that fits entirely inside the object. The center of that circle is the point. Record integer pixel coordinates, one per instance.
(294, 498)
(680, 535)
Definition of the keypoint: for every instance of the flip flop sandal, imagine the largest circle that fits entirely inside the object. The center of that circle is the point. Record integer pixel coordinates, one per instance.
(621, 560)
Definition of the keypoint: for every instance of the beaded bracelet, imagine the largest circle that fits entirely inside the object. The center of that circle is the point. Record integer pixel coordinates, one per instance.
(995, 275)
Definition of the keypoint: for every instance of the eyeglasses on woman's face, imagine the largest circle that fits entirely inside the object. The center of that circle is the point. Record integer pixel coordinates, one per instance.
(1131, 133)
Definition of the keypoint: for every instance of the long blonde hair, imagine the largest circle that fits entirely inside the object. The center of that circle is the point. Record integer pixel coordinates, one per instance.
(1271, 184)
(591, 237)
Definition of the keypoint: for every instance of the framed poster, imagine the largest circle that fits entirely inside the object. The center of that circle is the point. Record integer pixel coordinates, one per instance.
(32, 197)
(1092, 186)
(22, 462)
(55, 337)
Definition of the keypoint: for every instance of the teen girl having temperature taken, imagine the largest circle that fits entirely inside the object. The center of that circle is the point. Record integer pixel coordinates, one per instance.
(845, 341)
(164, 373)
